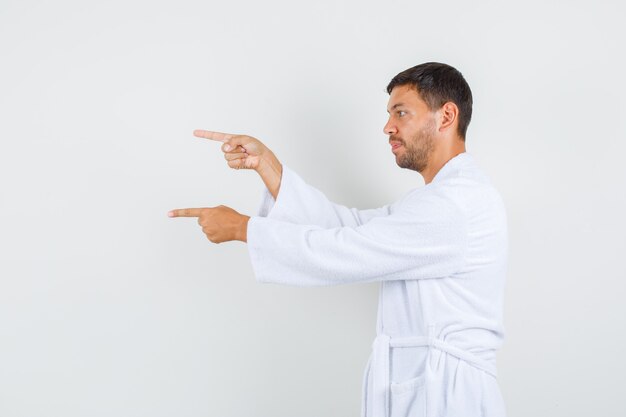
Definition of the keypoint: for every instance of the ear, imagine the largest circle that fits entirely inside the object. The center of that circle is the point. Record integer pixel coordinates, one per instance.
(448, 116)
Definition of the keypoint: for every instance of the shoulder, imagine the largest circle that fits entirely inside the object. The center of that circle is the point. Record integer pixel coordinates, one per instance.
(433, 204)
(466, 191)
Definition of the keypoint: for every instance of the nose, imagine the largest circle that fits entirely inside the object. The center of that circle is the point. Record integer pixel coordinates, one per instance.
(390, 128)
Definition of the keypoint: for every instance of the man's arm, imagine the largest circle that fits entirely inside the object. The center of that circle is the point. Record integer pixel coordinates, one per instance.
(298, 202)
(421, 240)
(287, 196)
(270, 170)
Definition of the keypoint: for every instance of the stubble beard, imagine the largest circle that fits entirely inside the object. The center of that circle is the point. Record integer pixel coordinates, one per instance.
(418, 149)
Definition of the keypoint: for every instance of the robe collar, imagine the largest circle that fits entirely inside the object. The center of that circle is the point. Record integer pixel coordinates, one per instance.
(453, 166)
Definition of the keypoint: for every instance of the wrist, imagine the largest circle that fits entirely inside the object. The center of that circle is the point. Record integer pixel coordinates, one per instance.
(269, 164)
(271, 172)
(243, 228)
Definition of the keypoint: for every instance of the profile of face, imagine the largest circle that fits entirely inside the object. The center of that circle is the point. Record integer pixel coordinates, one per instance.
(411, 128)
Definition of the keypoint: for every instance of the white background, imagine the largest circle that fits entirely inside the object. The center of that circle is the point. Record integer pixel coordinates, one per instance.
(110, 308)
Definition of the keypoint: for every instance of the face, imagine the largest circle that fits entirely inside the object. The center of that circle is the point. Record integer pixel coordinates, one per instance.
(411, 128)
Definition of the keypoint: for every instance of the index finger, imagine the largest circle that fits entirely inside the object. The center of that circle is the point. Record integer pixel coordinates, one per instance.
(187, 212)
(207, 134)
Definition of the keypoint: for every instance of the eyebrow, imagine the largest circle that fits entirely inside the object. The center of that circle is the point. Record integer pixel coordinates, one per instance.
(396, 105)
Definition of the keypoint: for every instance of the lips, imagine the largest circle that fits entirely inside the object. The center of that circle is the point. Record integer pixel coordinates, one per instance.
(395, 145)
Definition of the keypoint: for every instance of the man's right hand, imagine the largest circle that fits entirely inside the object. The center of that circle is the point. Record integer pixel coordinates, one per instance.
(246, 152)
(241, 151)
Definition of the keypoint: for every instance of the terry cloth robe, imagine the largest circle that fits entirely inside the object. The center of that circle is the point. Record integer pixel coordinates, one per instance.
(440, 255)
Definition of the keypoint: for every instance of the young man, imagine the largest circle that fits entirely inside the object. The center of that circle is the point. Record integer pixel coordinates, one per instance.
(440, 252)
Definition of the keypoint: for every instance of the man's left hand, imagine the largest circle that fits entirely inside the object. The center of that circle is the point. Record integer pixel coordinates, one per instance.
(219, 224)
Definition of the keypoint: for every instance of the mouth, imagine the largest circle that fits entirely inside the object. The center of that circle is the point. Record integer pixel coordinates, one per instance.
(395, 145)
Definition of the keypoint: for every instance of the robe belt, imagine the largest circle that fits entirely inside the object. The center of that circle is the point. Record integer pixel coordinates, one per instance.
(381, 372)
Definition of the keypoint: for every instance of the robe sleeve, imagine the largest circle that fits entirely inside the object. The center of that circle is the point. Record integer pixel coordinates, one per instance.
(300, 203)
(426, 237)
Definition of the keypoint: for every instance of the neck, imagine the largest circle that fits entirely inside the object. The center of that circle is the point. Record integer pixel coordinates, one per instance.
(440, 157)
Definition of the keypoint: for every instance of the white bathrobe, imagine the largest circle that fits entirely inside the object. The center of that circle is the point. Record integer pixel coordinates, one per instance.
(440, 253)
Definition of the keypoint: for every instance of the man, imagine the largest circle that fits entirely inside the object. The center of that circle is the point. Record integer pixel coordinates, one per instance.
(439, 252)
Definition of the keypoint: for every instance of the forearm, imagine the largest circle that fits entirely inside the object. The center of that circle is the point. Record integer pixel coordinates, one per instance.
(271, 170)
(396, 247)
(302, 203)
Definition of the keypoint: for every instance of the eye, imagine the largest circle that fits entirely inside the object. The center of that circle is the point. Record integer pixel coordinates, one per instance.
(401, 113)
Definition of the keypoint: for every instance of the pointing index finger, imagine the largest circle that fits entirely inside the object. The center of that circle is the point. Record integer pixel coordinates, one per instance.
(187, 212)
(207, 134)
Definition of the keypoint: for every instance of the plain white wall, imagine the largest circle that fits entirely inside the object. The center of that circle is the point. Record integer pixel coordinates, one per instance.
(109, 308)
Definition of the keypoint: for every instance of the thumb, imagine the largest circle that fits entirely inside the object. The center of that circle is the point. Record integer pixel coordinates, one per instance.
(233, 142)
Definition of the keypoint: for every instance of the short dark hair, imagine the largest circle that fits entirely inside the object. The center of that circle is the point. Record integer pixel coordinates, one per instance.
(438, 83)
